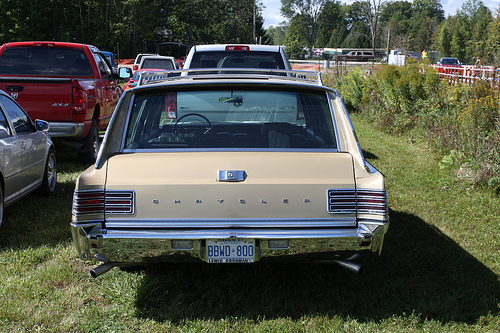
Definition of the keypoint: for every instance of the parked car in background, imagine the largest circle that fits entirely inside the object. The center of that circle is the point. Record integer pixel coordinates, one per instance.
(157, 62)
(111, 59)
(69, 85)
(231, 168)
(27, 155)
(357, 56)
(138, 58)
(449, 62)
(237, 56)
(132, 82)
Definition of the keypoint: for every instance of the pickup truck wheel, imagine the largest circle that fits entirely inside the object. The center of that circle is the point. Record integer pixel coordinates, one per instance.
(49, 175)
(88, 153)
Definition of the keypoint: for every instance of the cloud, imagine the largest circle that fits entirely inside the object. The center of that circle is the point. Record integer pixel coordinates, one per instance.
(451, 6)
(272, 15)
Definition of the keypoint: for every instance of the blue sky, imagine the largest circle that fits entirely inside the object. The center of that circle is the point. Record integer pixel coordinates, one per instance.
(272, 14)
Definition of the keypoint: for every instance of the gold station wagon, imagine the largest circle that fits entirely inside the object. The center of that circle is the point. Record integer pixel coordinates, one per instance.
(229, 168)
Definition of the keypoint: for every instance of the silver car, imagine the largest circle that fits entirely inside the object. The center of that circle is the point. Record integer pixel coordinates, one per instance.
(27, 154)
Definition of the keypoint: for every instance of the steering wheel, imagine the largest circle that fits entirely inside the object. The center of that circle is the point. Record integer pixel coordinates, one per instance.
(209, 127)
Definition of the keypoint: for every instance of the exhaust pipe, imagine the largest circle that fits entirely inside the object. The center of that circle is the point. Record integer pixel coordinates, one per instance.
(350, 266)
(99, 270)
(348, 263)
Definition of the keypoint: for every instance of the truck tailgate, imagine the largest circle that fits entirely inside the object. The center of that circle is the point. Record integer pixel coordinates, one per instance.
(42, 98)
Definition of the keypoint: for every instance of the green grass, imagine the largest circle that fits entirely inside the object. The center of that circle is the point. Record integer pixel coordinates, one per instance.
(439, 270)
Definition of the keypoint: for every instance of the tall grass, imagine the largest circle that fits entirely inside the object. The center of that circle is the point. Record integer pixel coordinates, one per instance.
(439, 270)
(462, 122)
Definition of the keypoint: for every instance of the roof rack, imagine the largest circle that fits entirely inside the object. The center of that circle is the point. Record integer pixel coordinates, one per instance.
(225, 73)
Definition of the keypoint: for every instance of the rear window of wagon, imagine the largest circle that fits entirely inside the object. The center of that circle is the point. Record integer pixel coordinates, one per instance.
(231, 119)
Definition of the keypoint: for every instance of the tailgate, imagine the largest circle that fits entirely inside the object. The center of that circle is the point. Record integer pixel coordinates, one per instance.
(196, 185)
(42, 98)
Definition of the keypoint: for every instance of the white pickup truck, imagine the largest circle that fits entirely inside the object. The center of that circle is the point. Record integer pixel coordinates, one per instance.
(237, 56)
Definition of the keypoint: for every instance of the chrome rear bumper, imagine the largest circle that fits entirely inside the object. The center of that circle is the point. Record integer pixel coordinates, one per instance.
(142, 246)
(59, 129)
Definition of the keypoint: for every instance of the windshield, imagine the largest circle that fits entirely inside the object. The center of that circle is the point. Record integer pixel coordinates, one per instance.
(237, 59)
(450, 61)
(157, 64)
(45, 61)
(256, 119)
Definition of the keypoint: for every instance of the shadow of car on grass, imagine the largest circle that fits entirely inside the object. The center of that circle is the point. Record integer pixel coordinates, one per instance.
(421, 271)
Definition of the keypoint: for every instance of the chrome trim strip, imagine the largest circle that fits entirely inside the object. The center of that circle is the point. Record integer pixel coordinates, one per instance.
(232, 233)
(232, 223)
(86, 224)
(162, 150)
(334, 121)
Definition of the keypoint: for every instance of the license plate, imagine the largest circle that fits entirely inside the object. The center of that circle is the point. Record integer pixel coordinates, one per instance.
(230, 250)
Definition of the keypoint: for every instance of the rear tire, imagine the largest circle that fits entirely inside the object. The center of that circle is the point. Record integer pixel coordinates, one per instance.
(50, 174)
(88, 153)
(1, 204)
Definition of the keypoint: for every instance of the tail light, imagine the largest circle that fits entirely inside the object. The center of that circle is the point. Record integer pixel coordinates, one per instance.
(88, 202)
(135, 67)
(362, 201)
(43, 44)
(79, 100)
(342, 201)
(100, 202)
(171, 105)
(372, 202)
(237, 48)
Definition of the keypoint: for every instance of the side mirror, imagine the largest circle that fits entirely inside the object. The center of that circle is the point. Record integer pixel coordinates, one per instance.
(125, 73)
(41, 125)
(4, 132)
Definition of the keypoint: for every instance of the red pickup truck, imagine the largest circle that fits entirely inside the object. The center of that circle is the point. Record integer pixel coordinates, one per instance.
(72, 86)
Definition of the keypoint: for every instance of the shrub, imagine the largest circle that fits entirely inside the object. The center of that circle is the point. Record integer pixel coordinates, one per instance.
(411, 99)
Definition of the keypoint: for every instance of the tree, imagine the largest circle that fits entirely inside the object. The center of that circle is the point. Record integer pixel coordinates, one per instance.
(330, 19)
(442, 39)
(371, 10)
(357, 37)
(276, 35)
(429, 8)
(303, 14)
(473, 19)
(492, 45)
(394, 17)
(295, 39)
